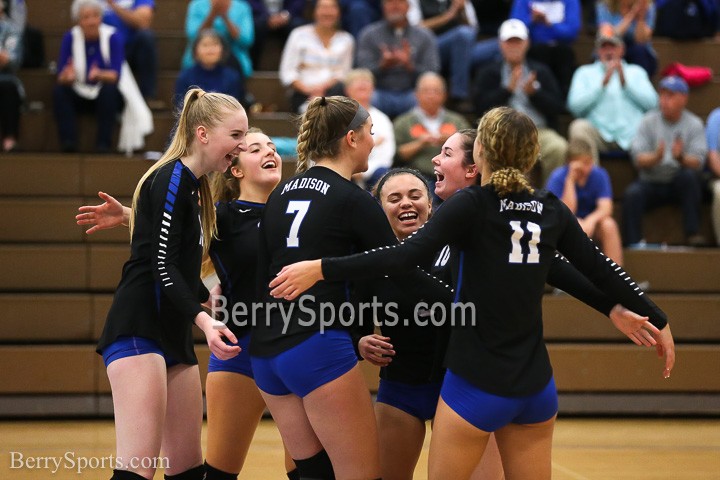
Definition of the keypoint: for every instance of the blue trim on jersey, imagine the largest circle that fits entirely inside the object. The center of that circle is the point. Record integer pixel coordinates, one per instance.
(460, 277)
(225, 280)
(249, 204)
(174, 182)
(158, 293)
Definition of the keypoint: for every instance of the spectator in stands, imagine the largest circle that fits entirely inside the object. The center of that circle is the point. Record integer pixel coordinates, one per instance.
(359, 85)
(16, 11)
(527, 86)
(358, 14)
(11, 90)
(209, 72)
(232, 19)
(554, 26)
(455, 34)
(609, 98)
(133, 19)
(712, 132)
(633, 21)
(317, 57)
(586, 189)
(276, 18)
(397, 53)
(683, 20)
(669, 152)
(420, 132)
(91, 56)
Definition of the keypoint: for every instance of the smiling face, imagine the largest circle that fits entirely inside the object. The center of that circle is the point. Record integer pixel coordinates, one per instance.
(451, 171)
(260, 164)
(226, 140)
(404, 198)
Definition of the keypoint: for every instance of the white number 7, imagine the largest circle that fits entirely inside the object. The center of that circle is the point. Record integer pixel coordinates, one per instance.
(300, 207)
(516, 255)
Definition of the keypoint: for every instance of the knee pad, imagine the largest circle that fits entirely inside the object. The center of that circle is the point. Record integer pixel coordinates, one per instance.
(126, 475)
(212, 473)
(293, 474)
(317, 467)
(197, 473)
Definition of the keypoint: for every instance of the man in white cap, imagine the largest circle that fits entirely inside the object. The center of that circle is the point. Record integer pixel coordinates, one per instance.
(669, 152)
(527, 86)
(609, 98)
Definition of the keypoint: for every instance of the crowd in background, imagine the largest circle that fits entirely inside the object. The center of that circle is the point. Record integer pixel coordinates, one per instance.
(428, 68)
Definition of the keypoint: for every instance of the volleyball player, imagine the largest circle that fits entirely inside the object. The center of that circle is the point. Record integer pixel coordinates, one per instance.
(234, 404)
(499, 378)
(147, 341)
(308, 373)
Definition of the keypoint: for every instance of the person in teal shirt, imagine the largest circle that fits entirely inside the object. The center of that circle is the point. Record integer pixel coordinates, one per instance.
(232, 19)
(609, 98)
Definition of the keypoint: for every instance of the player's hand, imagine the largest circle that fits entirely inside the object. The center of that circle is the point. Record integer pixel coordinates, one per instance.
(102, 217)
(666, 347)
(376, 349)
(215, 333)
(295, 279)
(636, 327)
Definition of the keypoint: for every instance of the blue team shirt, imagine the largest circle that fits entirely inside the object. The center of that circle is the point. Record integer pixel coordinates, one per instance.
(111, 18)
(598, 186)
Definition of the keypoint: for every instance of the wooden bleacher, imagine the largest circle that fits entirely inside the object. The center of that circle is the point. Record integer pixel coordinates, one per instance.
(57, 282)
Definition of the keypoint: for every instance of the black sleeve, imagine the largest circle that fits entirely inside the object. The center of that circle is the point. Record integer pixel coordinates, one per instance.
(564, 276)
(603, 272)
(449, 223)
(169, 213)
(203, 293)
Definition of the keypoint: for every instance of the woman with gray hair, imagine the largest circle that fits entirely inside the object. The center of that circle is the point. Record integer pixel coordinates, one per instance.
(88, 72)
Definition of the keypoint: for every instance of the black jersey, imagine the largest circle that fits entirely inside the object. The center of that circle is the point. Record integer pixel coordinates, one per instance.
(160, 291)
(234, 254)
(315, 214)
(506, 247)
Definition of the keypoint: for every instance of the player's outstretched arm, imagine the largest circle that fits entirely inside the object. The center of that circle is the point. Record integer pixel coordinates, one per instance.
(109, 214)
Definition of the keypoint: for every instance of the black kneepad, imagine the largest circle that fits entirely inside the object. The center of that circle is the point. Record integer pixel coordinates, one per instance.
(293, 474)
(317, 467)
(197, 473)
(125, 475)
(212, 473)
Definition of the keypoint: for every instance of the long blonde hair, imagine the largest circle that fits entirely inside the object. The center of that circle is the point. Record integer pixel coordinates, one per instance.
(510, 146)
(322, 126)
(199, 108)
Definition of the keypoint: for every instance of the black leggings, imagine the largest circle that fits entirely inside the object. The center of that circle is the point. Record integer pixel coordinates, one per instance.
(9, 109)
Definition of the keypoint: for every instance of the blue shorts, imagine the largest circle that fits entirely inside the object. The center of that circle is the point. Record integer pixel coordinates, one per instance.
(238, 364)
(490, 412)
(131, 346)
(311, 364)
(417, 400)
